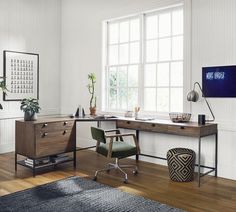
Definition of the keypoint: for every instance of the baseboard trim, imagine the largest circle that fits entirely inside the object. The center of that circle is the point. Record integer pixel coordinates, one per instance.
(4, 148)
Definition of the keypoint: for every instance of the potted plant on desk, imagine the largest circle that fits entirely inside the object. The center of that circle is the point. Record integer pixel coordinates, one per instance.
(91, 89)
(3, 88)
(30, 106)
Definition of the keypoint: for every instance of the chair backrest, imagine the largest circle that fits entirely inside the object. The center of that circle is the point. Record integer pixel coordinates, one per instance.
(98, 134)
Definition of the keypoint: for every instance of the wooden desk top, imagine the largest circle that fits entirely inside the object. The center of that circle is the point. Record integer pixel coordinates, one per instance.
(191, 129)
(157, 125)
(49, 119)
(167, 122)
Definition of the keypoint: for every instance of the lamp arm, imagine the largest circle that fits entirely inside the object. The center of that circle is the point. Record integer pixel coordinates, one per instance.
(196, 83)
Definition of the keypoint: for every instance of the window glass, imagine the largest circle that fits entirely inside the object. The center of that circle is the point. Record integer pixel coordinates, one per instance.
(144, 62)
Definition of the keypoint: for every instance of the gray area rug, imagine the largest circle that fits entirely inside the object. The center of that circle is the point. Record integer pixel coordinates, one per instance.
(78, 194)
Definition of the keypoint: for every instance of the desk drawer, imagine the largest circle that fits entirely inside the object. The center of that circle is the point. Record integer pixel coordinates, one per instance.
(128, 124)
(49, 143)
(54, 126)
(144, 126)
(184, 130)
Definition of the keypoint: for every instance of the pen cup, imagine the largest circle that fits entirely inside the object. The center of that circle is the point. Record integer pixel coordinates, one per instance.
(201, 119)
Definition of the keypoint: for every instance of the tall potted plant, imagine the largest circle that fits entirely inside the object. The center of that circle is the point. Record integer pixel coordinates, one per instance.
(91, 89)
(30, 107)
(3, 88)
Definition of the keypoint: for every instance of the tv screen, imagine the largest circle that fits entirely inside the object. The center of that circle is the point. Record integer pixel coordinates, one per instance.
(219, 81)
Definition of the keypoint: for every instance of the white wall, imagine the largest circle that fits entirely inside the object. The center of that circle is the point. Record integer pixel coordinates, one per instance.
(31, 26)
(213, 43)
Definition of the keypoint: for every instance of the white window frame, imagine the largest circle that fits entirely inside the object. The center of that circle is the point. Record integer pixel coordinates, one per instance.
(158, 38)
(106, 99)
(186, 60)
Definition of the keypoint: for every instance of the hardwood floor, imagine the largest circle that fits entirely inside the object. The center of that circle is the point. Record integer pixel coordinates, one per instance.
(215, 194)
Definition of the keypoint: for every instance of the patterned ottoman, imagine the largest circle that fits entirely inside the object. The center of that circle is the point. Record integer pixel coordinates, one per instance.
(181, 162)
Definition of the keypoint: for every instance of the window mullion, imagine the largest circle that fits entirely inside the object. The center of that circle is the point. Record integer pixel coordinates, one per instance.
(141, 59)
(117, 68)
(158, 40)
(171, 57)
(107, 68)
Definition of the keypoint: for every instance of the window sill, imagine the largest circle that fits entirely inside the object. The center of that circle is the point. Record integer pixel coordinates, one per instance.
(141, 114)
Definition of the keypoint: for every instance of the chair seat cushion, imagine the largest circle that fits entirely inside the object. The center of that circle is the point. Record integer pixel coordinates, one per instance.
(119, 149)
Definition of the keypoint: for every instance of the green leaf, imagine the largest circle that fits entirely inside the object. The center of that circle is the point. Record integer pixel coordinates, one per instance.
(30, 104)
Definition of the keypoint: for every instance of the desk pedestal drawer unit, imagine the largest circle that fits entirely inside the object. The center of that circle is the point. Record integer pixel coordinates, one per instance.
(45, 138)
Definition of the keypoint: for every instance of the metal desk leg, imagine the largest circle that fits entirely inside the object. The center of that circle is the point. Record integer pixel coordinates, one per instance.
(199, 161)
(216, 153)
(137, 136)
(15, 161)
(74, 157)
(33, 167)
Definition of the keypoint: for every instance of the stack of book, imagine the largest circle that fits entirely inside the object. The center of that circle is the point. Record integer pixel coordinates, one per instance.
(31, 162)
(59, 158)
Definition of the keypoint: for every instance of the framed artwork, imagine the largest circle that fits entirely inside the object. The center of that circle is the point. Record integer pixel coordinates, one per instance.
(21, 72)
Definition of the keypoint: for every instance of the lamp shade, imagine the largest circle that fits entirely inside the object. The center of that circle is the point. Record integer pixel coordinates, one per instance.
(193, 96)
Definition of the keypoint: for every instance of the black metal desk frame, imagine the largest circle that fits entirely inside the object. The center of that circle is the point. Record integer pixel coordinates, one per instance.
(199, 174)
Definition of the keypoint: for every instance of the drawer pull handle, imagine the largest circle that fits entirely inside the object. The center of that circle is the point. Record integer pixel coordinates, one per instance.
(128, 122)
(45, 134)
(153, 125)
(45, 125)
(182, 128)
(65, 123)
(65, 131)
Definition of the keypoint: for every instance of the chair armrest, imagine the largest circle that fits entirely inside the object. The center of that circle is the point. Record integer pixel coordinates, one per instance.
(112, 130)
(123, 135)
(117, 132)
(119, 135)
(110, 148)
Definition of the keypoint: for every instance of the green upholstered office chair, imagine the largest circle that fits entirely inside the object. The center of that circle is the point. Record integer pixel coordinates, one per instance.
(113, 146)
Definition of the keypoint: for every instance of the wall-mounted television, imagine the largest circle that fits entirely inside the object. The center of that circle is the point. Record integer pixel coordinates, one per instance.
(219, 81)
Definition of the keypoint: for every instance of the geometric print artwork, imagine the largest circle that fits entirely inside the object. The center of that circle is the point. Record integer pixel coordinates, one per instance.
(21, 72)
(22, 77)
(181, 163)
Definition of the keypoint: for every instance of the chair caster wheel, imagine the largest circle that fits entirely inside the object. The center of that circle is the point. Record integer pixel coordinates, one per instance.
(94, 178)
(125, 181)
(135, 172)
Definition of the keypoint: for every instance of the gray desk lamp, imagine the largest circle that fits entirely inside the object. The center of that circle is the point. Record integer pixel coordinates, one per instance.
(193, 96)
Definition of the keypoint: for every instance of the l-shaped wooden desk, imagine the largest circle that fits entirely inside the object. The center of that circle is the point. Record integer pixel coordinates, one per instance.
(59, 127)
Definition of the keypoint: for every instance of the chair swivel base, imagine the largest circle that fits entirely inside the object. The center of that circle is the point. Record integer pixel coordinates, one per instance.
(116, 165)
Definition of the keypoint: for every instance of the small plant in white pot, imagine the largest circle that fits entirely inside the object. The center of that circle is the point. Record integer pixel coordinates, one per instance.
(30, 107)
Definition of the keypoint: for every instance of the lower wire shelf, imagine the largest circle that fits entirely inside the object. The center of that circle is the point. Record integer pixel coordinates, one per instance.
(40, 166)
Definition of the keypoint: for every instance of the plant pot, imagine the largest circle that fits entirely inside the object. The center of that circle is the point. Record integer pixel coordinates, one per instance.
(92, 111)
(30, 116)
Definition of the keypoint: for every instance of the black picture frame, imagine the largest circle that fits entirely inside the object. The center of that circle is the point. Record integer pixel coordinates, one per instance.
(21, 73)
